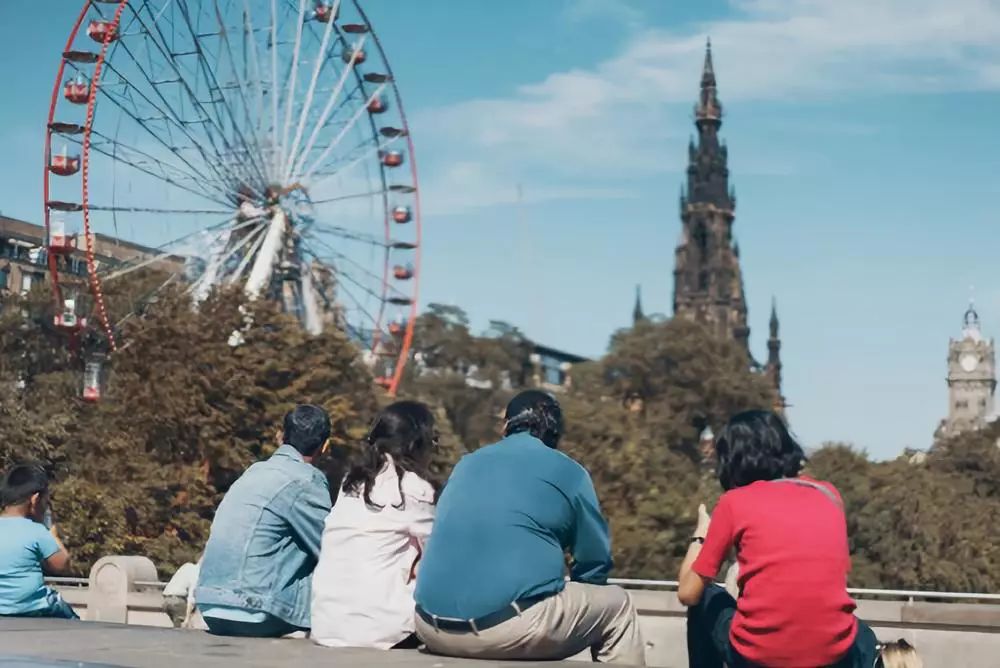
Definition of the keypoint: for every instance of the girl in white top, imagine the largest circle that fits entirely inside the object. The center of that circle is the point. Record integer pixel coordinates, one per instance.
(362, 588)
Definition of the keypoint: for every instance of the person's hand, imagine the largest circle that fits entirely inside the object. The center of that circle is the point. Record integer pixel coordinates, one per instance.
(704, 520)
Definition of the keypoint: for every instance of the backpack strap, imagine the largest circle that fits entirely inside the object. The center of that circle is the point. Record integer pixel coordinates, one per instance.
(815, 485)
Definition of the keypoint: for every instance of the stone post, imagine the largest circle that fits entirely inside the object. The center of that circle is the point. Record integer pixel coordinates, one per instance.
(112, 579)
(536, 369)
(567, 379)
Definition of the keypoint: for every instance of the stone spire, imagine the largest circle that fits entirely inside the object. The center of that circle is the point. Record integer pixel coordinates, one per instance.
(709, 109)
(708, 282)
(773, 367)
(637, 314)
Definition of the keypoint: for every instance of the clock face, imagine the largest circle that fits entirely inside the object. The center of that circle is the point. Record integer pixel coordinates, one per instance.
(969, 362)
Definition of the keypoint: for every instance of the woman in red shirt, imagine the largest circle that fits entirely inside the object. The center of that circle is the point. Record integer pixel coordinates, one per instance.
(790, 537)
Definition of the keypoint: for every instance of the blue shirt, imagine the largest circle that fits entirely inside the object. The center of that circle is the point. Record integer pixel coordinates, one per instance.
(505, 520)
(24, 545)
(264, 542)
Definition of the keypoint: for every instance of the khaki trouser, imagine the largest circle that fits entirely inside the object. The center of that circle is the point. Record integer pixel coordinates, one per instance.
(582, 617)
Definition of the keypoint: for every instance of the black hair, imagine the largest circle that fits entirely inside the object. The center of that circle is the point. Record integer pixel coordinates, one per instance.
(306, 428)
(21, 483)
(756, 445)
(404, 431)
(537, 413)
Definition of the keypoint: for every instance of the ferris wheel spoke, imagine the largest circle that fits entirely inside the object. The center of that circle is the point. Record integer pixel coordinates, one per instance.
(127, 104)
(333, 169)
(343, 133)
(341, 257)
(139, 209)
(321, 59)
(254, 240)
(293, 71)
(170, 249)
(220, 227)
(173, 117)
(219, 96)
(145, 163)
(210, 278)
(258, 77)
(328, 111)
(212, 129)
(350, 235)
(155, 84)
(361, 305)
(240, 83)
(352, 196)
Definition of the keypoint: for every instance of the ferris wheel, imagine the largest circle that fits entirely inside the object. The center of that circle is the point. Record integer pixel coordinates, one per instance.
(252, 143)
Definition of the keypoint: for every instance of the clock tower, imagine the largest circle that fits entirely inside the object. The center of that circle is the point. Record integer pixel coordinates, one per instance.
(971, 378)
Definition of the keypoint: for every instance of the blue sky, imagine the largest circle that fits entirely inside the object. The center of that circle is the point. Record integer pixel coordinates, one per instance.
(864, 148)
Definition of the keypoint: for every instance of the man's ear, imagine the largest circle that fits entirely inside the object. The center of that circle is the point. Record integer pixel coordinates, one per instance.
(34, 504)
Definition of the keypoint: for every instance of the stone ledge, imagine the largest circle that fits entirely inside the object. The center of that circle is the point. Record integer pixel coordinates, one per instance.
(148, 647)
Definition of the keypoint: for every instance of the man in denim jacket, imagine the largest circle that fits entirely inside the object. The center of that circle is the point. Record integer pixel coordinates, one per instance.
(256, 574)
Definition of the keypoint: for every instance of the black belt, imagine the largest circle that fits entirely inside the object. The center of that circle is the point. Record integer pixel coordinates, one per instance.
(480, 623)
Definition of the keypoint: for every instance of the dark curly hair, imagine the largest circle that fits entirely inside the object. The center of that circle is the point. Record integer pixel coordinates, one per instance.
(756, 445)
(404, 431)
(537, 413)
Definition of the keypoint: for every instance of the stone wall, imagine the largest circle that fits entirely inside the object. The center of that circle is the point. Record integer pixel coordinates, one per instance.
(122, 589)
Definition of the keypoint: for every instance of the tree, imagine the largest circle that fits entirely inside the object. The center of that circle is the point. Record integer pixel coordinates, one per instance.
(182, 416)
(470, 377)
(644, 456)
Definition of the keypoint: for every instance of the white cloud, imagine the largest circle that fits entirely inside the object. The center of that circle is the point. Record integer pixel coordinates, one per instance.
(609, 120)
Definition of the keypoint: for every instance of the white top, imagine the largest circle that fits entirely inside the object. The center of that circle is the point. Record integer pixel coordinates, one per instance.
(184, 581)
(362, 593)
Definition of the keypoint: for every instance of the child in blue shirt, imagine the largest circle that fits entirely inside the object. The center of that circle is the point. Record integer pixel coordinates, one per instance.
(27, 547)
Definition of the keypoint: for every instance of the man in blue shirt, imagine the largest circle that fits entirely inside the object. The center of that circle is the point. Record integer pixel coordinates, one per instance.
(27, 548)
(256, 573)
(491, 583)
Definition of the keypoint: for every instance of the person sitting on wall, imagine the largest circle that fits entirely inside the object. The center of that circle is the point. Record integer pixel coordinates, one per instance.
(29, 547)
(898, 654)
(256, 572)
(790, 536)
(375, 534)
(178, 595)
(491, 582)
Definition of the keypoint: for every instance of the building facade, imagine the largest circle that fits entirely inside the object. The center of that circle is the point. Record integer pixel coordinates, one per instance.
(24, 257)
(708, 280)
(971, 379)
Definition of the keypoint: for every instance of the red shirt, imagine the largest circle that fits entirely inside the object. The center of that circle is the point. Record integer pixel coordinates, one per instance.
(791, 545)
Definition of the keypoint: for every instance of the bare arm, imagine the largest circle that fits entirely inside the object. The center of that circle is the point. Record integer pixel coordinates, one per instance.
(59, 562)
(691, 585)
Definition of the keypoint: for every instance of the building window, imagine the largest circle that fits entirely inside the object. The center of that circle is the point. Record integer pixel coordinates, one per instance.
(26, 279)
(962, 404)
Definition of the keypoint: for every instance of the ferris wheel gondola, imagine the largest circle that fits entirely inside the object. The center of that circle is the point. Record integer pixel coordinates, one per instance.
(262, 141)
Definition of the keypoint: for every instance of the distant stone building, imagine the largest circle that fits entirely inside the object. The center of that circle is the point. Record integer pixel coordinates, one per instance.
(708, 280)
(971, 379)
(24, 258)
(550, 368)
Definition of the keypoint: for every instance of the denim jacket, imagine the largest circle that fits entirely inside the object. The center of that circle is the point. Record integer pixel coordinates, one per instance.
(265, 539)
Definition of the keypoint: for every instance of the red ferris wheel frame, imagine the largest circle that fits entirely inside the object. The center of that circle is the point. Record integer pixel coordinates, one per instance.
(390, 383)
